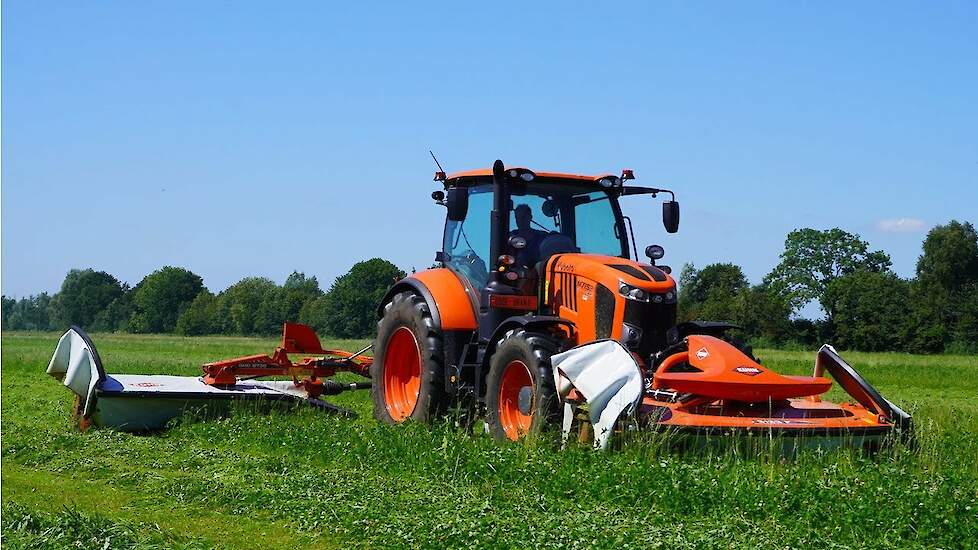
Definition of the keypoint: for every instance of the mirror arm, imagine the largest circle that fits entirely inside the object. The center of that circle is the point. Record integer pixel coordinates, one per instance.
(646, 191)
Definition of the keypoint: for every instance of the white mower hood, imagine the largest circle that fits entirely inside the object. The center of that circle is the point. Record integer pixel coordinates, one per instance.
(607, 376)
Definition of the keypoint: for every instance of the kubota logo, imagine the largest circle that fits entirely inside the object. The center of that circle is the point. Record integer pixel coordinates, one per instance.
(703, 353)
(749, 371)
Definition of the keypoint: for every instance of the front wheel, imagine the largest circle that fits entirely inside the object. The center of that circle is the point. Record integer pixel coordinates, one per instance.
(521, 398)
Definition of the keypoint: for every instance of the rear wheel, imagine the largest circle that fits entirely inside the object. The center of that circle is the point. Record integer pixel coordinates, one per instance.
(408, 370)
(520, 395)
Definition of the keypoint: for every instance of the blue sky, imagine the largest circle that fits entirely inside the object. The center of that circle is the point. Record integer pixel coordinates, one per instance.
(240, 139)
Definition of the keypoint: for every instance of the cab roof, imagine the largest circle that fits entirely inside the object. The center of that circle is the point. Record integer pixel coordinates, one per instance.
(460, 177)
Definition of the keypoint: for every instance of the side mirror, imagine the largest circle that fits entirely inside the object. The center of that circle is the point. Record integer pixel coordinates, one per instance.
(670, 216)
(457, 203)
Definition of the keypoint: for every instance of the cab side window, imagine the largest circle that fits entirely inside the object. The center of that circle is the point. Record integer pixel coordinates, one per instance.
(466, 244)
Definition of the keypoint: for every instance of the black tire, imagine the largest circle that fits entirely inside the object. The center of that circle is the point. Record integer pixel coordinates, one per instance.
(533, 350)
(409, 311)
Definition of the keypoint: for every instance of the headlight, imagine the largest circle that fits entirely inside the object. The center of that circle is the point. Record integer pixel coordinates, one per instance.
(631, 335)
(632, 293)
(667, 298)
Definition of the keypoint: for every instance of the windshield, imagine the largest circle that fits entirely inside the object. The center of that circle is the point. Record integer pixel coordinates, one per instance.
(552, 219)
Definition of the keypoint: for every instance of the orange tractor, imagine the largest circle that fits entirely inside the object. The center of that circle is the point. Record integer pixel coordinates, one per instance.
(539, 314)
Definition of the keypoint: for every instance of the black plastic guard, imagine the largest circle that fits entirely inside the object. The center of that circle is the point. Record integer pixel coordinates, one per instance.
(862, 391)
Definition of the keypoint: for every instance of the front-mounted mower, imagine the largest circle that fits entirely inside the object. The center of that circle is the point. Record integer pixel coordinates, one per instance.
(541, 315)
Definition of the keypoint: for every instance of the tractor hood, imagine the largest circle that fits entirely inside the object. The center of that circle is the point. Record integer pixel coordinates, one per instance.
(611, 271)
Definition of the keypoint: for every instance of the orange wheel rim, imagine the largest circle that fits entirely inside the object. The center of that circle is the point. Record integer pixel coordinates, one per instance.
(402, 374)
(516, 377)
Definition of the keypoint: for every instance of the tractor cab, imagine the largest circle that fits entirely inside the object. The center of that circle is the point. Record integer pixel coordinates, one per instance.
(543, 215)
(505, 226)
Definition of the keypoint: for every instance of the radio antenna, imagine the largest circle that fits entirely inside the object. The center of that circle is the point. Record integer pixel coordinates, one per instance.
(440, 169)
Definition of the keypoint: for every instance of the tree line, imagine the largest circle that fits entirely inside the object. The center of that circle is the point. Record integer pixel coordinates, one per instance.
(867, 306)
(175, 300)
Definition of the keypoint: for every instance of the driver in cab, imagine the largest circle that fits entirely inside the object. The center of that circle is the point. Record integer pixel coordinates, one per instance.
(528, 255)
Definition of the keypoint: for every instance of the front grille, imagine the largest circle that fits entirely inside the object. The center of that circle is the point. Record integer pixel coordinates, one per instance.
(654, 320)
(604, 312)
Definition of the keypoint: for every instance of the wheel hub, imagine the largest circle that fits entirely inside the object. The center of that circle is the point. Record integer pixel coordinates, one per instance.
(526, 400)
(516, 397)
(402, 374)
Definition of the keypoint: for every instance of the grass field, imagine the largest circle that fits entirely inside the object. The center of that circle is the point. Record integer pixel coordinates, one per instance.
(291, 479)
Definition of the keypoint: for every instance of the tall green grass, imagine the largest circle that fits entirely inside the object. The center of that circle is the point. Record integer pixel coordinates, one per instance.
(298, 478)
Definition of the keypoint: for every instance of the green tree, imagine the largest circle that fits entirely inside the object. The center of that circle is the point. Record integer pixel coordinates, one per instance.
(246, 306)
(929, 308)
(964, 339)
(721, 292)
(31, 313)
(271, 312)
(9, 305)
(710, 293)
(720, 277)
(201, 316)
(950, 256)
(160, 298)
(313, 313)
(297, 291)
(871, 312)
(83, 295)
(115, 316)
(947, 270)
(763, 314)
(812, 259)
(349, 310)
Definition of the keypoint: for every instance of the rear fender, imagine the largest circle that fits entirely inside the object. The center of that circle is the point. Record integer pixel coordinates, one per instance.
(450, 305)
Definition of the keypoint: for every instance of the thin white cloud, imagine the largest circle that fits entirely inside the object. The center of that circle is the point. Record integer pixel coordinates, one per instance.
(901, 225)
